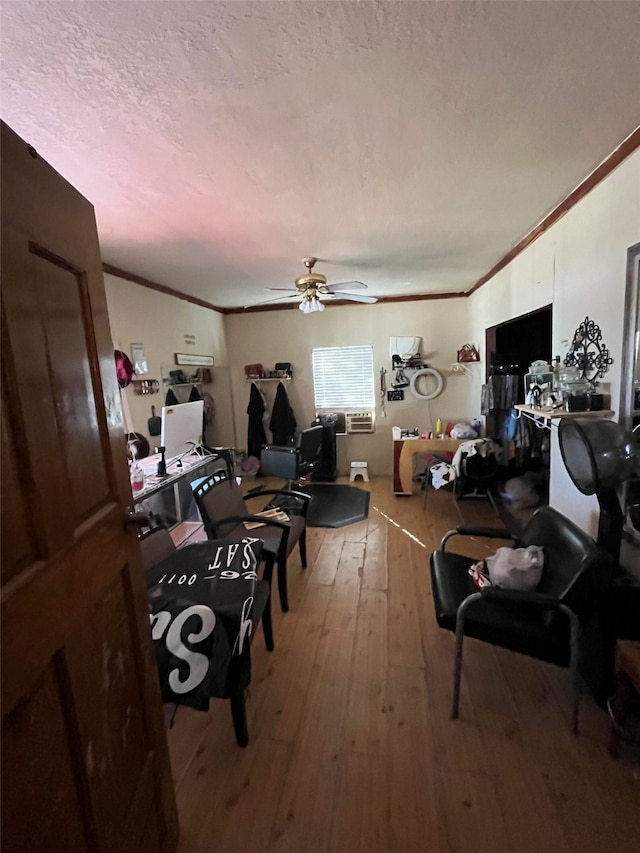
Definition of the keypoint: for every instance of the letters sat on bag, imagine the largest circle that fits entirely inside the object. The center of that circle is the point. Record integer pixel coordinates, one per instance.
(200, 621)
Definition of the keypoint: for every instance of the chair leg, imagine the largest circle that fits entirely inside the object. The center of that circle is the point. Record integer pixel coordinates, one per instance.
(239, 717)
(302, 545)
(267, 629)
(457, 667)
(457, 671)
(427, 483)
(267, 573)
(576, 683)
(282, 585)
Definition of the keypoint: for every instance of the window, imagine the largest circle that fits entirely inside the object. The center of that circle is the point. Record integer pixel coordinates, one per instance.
(343, 378)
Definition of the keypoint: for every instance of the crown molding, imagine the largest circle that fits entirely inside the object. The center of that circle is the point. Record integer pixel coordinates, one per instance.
(624, 150)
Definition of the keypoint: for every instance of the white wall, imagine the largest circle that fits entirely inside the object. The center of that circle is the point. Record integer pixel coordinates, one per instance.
(272, 336)
(579, 265)
(160, 322)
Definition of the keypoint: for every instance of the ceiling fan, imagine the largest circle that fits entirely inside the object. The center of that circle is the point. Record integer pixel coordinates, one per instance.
(312, 286)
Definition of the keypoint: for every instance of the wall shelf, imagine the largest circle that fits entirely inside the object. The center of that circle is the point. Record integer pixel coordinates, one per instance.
(546, 417)
(181, 384)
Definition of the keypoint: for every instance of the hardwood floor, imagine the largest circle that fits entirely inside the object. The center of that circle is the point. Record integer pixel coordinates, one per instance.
(351, 746)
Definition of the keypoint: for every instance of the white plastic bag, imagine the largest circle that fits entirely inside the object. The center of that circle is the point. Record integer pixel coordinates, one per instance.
(462, 431)
(516, 568)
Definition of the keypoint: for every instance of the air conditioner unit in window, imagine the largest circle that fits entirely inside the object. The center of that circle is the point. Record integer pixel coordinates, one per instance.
(359, 422)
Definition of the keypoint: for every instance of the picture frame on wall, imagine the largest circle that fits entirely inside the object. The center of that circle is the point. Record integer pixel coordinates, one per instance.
(139, 359)
(194, 360)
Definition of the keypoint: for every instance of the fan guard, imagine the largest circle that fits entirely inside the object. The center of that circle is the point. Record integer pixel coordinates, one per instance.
(599, 456)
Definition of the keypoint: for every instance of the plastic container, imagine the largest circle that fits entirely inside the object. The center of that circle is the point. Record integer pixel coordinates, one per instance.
(137, 478)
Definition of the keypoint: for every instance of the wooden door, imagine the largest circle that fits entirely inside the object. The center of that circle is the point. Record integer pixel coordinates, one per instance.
(84, 755)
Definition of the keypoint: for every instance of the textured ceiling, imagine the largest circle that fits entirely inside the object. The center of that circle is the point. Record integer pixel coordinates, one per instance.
(409, 144)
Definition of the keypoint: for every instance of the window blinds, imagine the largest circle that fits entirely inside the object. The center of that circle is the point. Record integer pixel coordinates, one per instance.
(343, 378)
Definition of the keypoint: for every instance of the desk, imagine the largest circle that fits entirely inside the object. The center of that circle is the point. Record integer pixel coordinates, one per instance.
(171, 499)
(201, 599)
(403, 452)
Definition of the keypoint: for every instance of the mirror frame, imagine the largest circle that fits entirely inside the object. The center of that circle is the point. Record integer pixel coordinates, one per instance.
(629, 408)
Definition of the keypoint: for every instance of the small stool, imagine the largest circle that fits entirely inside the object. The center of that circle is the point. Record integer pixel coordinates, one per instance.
(359, 469)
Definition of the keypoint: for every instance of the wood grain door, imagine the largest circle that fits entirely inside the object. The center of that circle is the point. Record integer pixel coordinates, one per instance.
(84, 755)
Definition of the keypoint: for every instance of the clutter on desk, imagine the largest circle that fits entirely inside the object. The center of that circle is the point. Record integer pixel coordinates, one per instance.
(409, 433)
(136, 474)
(461, 431)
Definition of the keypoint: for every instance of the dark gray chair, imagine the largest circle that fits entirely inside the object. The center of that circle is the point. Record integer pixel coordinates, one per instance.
(156, 544)
(296, 462)
(554, 623)
(224, 513)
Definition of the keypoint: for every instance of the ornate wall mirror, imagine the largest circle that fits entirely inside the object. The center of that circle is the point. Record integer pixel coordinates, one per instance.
(588, 352)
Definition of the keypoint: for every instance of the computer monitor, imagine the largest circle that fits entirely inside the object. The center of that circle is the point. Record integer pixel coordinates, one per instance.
(181, 428)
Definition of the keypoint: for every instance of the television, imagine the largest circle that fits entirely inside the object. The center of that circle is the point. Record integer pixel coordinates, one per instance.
(181, 428)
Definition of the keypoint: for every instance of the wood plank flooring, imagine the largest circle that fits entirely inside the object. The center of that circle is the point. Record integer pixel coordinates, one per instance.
(351, 746)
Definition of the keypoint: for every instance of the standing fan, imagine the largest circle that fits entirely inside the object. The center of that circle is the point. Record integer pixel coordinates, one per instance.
(599, 457)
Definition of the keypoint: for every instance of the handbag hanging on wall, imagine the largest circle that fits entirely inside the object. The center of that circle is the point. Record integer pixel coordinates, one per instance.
(468, 353)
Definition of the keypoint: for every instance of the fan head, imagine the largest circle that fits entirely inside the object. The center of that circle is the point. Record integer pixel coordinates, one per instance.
(310, 280)
(599, 457)
(598, 454)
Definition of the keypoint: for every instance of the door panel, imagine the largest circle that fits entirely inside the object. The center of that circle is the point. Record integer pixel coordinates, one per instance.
(34, 735)
(80, 700)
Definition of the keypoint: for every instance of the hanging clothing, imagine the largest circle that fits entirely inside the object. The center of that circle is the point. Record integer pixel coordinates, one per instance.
(209, 407)
(255, 432)
(283, 421)
(171, 399)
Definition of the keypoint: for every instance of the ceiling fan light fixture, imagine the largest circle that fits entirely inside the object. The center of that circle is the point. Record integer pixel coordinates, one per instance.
(310, 304)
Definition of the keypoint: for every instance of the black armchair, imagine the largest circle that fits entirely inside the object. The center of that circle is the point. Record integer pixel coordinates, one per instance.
(551, 624)
(156, 545)
(295, 462)
(224, 512)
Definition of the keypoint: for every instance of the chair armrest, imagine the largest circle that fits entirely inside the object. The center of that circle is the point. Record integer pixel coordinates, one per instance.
(264, 522)
(486, 532)
(518, 596)
(537, 600)
(302, 496)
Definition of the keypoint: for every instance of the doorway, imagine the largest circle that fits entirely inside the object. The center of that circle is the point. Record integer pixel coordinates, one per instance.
(511, 347)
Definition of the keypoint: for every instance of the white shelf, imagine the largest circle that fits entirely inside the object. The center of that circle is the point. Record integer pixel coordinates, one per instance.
(544, 417)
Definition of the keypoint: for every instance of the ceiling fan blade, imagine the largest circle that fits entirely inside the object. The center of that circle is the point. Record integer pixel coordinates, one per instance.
(288, 289)
(275, 299)
(356, 285)
(354, 297)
